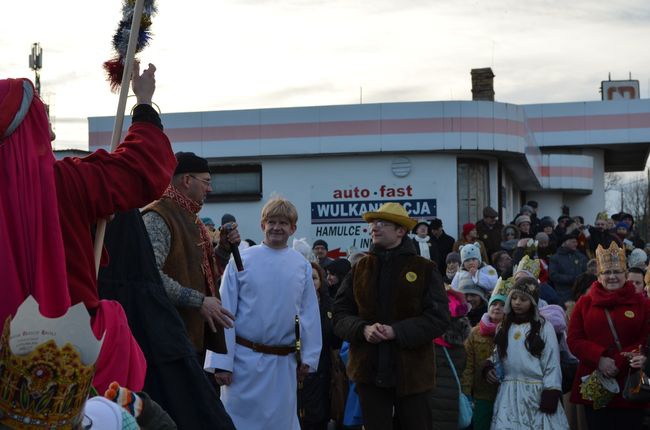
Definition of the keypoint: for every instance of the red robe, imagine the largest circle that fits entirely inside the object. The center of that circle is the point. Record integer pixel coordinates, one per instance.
(92, 188)
(590, 337)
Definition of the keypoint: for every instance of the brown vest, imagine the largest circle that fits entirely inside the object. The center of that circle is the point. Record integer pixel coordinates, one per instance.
(183, 264)
(415, 368)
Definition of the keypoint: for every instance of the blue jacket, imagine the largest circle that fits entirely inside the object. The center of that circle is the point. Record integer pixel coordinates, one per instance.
(565, 266)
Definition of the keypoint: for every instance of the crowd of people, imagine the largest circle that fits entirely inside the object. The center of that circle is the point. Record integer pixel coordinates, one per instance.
(538, 323)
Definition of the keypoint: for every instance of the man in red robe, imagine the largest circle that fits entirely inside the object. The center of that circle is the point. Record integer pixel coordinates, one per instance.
(89, 189)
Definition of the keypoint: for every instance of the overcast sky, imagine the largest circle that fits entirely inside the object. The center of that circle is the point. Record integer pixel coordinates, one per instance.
(228, 54)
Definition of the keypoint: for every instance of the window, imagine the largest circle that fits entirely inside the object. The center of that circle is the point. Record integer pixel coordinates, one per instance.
(242, 182)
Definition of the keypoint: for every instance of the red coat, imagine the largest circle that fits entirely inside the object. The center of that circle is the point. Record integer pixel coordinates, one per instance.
(97, 186)
(590, 337)
(92, 188)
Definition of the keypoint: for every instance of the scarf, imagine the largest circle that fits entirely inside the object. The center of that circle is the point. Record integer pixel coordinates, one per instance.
(423, 243)
(626, 295)
(486, 326)
(208, 263)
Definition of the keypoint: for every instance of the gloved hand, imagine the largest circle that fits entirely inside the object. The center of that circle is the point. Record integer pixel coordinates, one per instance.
(126, 398)
(549, 401)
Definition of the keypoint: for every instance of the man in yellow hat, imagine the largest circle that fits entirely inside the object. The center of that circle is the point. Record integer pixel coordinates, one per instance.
(390, 308)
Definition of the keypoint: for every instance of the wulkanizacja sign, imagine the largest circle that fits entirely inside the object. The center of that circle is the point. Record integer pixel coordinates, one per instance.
(336, 214)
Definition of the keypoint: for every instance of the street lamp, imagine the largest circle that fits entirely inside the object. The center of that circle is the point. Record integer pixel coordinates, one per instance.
(36, 63)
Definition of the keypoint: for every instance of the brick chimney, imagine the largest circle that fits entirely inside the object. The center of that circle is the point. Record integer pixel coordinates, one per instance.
(483, 84)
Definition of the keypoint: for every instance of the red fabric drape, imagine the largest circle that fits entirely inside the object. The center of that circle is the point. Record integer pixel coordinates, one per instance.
(121, 358)
(32, 259)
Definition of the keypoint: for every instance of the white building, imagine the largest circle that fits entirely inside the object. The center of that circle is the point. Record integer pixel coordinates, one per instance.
(444, 159)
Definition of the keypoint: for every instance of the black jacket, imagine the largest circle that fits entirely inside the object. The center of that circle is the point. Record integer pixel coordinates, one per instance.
(444, 244)
(314, 397)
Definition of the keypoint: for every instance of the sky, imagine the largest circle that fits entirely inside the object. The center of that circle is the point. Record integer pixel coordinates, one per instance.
(245, 54)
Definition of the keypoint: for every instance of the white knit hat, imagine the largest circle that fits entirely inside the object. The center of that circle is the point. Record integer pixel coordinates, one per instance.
(637, 258)
(470, 251)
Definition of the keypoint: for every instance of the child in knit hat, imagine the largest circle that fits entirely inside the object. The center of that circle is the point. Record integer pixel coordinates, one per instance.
(479, 347)
(481, 273)
(474, 294)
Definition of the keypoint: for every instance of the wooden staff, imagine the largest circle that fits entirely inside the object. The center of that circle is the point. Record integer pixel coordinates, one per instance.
(119, 116)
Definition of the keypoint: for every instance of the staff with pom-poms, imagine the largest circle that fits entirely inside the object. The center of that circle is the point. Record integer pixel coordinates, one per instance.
(132, 35)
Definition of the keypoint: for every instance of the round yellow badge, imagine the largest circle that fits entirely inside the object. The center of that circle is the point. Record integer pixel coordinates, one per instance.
(629, 314)
(517, 335)
(411, 277)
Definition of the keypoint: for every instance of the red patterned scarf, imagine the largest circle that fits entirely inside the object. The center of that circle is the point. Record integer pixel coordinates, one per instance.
(208, 264)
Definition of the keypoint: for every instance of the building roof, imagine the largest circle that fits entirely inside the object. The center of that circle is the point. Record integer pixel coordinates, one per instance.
(529, 139)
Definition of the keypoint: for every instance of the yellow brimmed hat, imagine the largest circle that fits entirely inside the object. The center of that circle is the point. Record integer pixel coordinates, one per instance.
(393, 212)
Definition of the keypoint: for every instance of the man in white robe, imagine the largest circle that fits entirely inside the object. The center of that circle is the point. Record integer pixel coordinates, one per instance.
(259, 373)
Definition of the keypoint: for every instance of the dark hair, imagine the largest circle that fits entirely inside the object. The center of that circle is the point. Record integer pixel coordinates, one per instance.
(582, 284)
(496, 256)
(534, 342)
(638, 270)
(323, 290)
(435, 224)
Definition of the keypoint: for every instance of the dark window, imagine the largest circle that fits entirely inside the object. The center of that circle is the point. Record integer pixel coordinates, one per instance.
(241, 182)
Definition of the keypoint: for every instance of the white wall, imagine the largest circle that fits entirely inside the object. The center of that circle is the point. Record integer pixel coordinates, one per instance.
(301, 180)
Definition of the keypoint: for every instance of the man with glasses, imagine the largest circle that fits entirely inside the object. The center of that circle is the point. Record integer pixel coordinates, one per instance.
(189, 265)
(390, 308)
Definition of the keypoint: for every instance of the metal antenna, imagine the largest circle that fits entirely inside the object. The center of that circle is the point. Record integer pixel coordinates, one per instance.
(36, 63)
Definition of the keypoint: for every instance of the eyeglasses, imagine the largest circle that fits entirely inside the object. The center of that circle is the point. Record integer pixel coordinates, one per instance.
(380, 223)
(612, 272)
(205, 181)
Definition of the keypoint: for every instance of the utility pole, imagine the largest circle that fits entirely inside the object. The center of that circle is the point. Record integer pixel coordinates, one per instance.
(36, 63)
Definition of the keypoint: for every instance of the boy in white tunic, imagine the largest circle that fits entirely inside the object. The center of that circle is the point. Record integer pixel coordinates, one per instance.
(258, 374)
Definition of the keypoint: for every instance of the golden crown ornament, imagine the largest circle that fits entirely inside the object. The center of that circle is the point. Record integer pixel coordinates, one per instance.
(612, 258)
(531, 266)
(46, 368)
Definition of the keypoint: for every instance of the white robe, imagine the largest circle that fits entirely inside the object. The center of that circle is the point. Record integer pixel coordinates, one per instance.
(273, 288)
(526, 376)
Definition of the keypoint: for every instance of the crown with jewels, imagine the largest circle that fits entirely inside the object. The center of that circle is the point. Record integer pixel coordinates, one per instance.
(612, 258)
(530, 266)
(501, 290)
(44, 385)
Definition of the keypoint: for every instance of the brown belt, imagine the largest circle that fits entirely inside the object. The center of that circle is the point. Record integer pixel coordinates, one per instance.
(265, 349)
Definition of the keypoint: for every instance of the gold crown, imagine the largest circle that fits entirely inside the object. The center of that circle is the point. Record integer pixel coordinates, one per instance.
(46, 387)
(602, 216)
(503, 287)
(531, 266)
(612, 258)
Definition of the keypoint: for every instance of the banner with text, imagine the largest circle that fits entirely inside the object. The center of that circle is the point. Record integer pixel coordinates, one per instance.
(336, 212)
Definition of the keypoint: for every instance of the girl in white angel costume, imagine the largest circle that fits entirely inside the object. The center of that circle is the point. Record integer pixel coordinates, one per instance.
(526, 363)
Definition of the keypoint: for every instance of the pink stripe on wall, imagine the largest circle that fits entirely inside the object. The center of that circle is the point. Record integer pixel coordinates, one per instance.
(591, 122)
(573, 172)
(335, 128)
(396, 126)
